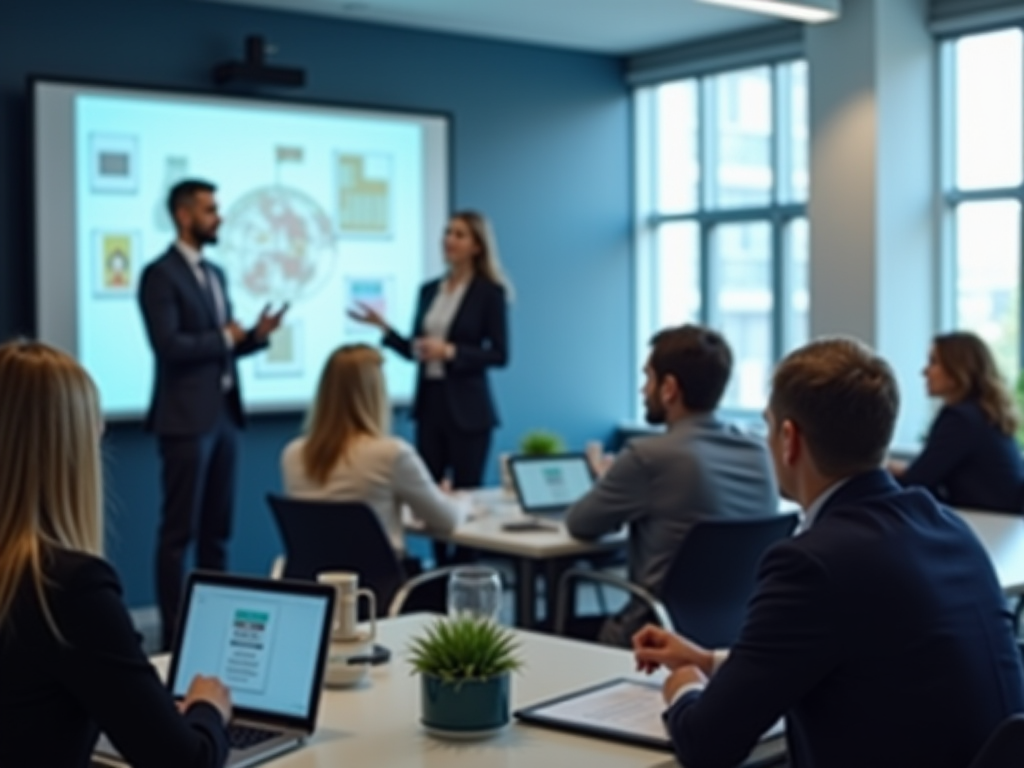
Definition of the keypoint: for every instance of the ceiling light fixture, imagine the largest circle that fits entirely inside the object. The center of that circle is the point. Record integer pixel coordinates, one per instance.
(809, 11)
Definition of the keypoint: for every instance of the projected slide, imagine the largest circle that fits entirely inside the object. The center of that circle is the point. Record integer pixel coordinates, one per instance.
(321, 207)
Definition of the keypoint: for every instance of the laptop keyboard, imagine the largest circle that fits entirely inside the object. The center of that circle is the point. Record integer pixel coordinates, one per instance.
(243, 736)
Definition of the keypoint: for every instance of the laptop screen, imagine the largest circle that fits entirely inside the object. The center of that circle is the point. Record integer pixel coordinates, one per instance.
(265, 643)
(551, 482)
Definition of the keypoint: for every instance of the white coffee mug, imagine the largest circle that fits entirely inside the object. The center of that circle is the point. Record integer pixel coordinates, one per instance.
(346, 606)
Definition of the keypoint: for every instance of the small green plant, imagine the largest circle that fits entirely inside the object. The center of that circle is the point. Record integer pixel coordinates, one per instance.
(540, 442)
(465, 648)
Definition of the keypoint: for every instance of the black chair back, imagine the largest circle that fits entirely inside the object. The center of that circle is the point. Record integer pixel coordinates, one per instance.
(337, 536)
(1005, 747)
(712, 576)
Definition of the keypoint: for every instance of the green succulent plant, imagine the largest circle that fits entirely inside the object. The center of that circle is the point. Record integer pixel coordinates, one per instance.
(465, 648)
(540, 442)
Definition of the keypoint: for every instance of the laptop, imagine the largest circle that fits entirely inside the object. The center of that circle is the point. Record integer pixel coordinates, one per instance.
(549, 485)
(267, 641)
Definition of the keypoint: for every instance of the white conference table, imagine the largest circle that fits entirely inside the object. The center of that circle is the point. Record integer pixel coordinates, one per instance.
(549, 552)
(377, 724)
(1002, 535)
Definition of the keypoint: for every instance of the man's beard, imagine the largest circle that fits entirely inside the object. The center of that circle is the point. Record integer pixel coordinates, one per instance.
(654, 412)
(204, 237)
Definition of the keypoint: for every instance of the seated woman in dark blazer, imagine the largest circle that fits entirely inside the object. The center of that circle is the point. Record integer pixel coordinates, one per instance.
(970, 459)
(70, 661)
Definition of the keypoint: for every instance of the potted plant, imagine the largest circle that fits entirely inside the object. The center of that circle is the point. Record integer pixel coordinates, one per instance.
(540, 442)
(465, 664)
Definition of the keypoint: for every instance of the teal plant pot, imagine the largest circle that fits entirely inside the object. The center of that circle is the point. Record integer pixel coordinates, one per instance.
(467, 706)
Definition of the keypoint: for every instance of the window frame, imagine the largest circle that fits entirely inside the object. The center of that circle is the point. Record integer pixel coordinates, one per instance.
(951, 197)
(778, 213)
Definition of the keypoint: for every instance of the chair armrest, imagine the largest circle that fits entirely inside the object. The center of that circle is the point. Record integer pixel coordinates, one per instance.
(583, 574)
(398, 601)
(277, 568)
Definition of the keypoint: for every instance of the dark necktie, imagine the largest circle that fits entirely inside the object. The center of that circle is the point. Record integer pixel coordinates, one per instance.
(211, 293)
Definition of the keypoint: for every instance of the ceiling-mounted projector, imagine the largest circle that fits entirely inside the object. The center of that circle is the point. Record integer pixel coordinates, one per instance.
(254, 69)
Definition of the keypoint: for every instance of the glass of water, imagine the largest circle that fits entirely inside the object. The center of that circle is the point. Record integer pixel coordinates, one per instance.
(476, 591)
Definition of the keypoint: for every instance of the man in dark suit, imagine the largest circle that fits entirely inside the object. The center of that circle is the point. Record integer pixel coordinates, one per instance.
(879, 631)
(196, 406)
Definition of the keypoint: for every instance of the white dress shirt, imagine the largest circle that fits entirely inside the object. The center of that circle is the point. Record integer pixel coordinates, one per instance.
(384, 473)
(438, 320)
(194, 259)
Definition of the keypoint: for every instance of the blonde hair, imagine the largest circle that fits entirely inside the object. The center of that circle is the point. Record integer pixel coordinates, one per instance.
(351, 402)
(969, 363)
(486, 261)
(51, 484)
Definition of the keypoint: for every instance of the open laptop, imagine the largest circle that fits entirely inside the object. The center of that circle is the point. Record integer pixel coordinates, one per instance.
(549, 485)
(267, 641)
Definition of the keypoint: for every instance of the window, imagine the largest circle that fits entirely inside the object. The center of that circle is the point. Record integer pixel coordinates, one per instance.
(722, 236)
(983, 179)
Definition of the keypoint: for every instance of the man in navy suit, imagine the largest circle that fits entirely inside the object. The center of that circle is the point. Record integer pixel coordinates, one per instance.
(196, 407)
(879, 631)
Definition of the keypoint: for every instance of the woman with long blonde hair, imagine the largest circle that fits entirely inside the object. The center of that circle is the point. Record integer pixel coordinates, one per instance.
(346, 453)
(460, 331)
(70, 661)
(971, 458)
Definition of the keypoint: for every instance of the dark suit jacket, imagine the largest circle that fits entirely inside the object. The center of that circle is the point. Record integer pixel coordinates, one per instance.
(967, 462)
(479, 332)
(55, 697)
(881, 633)
(189, 347)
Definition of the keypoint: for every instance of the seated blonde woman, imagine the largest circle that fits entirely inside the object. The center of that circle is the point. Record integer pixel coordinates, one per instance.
(70, 661)
(347, 455)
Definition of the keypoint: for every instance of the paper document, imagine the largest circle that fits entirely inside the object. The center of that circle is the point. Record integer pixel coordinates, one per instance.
(628, 706)
(623, 710)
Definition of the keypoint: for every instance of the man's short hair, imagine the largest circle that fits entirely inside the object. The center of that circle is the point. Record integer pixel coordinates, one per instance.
(844, 399)
(184, 192)
(700, 361)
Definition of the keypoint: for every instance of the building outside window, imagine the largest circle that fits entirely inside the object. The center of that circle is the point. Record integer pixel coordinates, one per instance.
(722, 224)
(982, 82)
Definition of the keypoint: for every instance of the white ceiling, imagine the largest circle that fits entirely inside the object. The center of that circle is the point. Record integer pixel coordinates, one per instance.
(602, 26)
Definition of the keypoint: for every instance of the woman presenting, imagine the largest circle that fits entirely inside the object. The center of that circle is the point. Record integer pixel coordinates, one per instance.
(460, 330)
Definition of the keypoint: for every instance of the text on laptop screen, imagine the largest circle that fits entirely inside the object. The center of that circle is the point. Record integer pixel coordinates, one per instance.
(552, 482)
(264, 646)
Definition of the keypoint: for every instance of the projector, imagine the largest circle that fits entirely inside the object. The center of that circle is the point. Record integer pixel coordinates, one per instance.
(254, 69)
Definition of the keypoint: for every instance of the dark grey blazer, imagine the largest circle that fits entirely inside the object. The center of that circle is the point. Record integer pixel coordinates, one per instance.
(660, 486)
(189, 349)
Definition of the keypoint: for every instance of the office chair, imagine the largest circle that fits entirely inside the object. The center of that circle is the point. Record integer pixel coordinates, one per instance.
(1005, 747)
(347, 536)
(705, 593)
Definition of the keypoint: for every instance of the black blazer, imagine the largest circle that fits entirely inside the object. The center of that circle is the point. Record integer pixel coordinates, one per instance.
(189, 348)
(55, 696)
(479, 332)
(967, 462)
(881, 633)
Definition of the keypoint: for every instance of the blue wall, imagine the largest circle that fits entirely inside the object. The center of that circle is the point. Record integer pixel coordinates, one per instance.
(541, 143)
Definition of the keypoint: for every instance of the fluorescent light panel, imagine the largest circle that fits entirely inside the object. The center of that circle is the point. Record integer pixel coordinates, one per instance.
(810, 11)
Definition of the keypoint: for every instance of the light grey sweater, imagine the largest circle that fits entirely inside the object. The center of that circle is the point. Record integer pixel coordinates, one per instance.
(384, 473)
